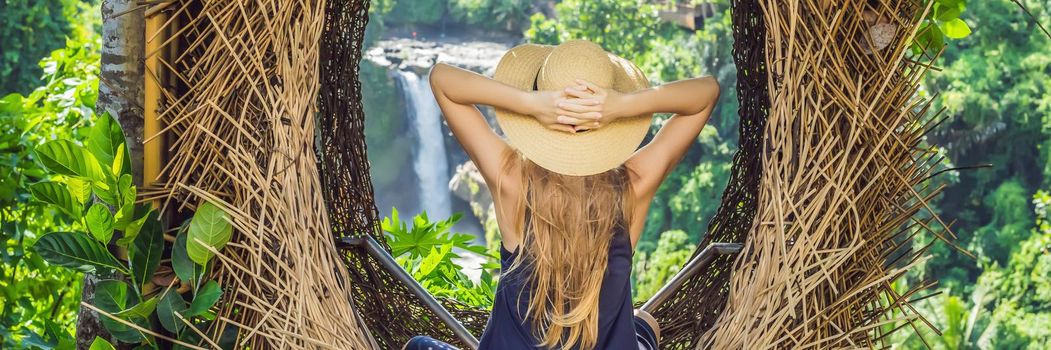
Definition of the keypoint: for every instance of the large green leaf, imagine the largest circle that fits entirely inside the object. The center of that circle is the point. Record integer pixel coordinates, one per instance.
(67, 158)
(79, 188)
(167, 309)
(113, 297)
(56, 194)
(145, 251)
(106, 143)
(432, 259)
(187, 270)
(956, 29)
(76, 250)
(100, 222)
(205, 298)
(208, 228)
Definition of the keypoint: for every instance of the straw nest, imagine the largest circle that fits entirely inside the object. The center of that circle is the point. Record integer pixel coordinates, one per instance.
(844, 181)
(238, 99)
(827, 200)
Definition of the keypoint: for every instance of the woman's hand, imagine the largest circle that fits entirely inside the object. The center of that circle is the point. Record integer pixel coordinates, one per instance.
(546, 111)
(591, 106)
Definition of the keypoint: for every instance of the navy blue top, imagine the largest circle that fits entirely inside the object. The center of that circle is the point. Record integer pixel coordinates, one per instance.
(510, 329)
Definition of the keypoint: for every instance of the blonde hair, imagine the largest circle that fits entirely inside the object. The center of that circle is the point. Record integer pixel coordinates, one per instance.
(572, 221)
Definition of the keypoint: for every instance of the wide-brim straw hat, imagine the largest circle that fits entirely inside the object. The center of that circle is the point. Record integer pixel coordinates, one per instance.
(549, 67)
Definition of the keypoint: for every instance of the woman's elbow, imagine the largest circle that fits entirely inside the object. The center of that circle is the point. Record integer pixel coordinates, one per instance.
(713, 88)
(434, 76)
(709, 93)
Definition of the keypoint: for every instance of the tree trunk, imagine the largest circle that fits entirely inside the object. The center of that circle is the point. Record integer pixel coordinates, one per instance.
(121, 95)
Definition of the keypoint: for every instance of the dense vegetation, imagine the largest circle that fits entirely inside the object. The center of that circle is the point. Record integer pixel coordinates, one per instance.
(992, 83)
(68, 206)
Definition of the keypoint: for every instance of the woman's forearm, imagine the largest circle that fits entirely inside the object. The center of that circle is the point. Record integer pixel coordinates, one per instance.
(467, 88)
(682, 97)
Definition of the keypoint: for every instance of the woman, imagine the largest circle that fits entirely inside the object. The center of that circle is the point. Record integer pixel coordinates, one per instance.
(565, 185)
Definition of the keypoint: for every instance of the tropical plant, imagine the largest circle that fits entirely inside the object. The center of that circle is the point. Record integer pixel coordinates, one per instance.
(426, 251)
(124, 241)
(942, 22)
(40, 301)
(653, 269)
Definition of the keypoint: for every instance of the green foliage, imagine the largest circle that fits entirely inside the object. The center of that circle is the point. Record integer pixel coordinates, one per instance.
(205, 299)
(40, 300)
(185, 268)
(30, 29)
(209, 229)
(426, 252)
(942, 22)
(424, 236)
(652, 270)
(624, 27)
(113, 213)
(1011, 222)
(77, 251)
(506, 15)
(997, 97)
(501, 15)
(1009, 307)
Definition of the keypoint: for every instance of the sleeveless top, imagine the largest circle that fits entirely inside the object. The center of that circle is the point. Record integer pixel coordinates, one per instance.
(509, 328)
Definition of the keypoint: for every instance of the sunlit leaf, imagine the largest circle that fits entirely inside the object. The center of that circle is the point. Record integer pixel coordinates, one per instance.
(132, 229)
(56, 194)
(106, 143)
(125, 203)
(67, 158)
(79, 188)
(956, 29)
(431, 260)
(209, 227)
(100, 222)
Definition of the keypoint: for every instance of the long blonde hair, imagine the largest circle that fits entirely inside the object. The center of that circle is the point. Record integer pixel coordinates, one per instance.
(572, 221)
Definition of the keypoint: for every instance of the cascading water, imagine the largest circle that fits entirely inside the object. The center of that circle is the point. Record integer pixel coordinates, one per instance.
(429, 159)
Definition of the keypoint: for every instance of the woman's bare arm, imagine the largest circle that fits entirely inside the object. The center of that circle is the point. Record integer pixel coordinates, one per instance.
(458, 90)
(690, 100)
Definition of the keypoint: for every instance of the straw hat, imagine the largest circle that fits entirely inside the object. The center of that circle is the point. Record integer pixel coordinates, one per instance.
(546, 67)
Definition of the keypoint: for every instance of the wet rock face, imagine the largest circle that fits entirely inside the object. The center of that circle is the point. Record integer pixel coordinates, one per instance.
(419, 56)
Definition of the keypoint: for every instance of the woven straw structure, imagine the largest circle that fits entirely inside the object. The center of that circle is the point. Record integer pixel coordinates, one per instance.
(824, 191)
(700, 300)
(391, 312)
(239, 89)
(844, 177)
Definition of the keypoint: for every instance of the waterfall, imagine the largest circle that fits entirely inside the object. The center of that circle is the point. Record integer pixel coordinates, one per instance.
(429, 158)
